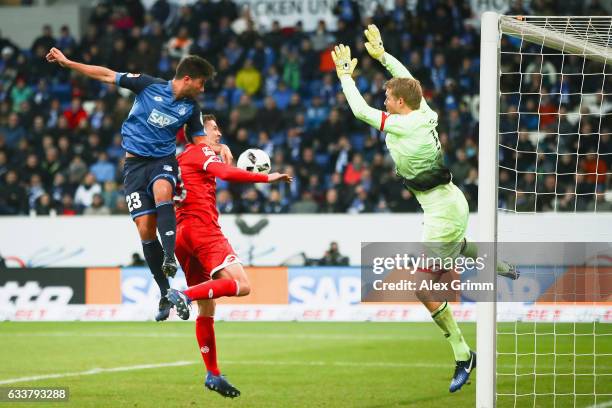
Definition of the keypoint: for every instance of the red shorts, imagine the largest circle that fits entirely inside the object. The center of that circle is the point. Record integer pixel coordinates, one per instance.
(202, 251)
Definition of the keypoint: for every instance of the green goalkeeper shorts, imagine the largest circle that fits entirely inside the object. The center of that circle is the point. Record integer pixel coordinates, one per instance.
(445, 220)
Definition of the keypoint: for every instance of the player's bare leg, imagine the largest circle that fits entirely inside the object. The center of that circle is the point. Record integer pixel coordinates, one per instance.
(163, 191)
(232, 280)
(442, 315)
(205, 333)
(154, 255)
(503, 268)
(237, 273)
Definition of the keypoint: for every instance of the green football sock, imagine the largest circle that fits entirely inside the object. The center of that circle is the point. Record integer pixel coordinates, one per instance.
(443, 316)
(470, 250)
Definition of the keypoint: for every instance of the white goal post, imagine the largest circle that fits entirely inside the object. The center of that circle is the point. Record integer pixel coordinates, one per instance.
(487, 201)
(564, 40)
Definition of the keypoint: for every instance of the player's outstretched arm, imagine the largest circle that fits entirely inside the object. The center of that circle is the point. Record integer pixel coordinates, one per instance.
(233, 174)
(279, 177)
(92, 71)
(374, 46)
(376, 49)
(344, 68)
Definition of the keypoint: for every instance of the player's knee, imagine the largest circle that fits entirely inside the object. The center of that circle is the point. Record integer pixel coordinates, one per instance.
(206, 307)
(244, 287)
(162, 190)
(422, 295)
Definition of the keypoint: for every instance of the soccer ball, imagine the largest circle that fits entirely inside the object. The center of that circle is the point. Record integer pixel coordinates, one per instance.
(255, 161)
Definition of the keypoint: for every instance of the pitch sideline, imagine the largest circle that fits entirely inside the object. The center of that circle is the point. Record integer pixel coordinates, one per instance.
(95, 371)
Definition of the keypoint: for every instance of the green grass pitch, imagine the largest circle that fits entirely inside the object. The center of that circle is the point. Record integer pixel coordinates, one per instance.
(291, 364)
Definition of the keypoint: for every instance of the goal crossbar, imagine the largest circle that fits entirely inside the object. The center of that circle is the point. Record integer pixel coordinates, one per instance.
(585, 36)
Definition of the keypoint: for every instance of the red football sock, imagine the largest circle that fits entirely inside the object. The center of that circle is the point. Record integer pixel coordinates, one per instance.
(205, 332)
(212, 289)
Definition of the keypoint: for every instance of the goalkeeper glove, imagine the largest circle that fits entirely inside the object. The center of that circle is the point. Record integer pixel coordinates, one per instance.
(342, 58)
(374, 45)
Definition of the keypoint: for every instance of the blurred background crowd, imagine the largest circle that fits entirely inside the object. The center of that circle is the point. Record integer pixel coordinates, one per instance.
(276, 89)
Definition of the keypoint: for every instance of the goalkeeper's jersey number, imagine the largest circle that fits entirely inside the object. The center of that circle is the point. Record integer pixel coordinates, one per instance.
(434, 134)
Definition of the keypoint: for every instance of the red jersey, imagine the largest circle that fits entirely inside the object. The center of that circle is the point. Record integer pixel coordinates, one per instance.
(197, 189)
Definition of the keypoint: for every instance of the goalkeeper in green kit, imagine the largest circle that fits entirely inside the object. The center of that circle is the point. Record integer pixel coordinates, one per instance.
(411, 137)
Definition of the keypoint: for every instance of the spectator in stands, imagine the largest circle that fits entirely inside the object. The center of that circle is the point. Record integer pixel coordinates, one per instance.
(160, 11)
(75, 114)
(321, 39)
(43, 206)
(121, 207)
(595, 169)
(247, 111)
(13, 197)
(352, 175)
(51, 165)
(110, 194)
(30, 167)
(331, 204)
(305, 205)
(45, 40)
(470, 188)
(65, 40)
(251, 202)
(282, 95)
(291, 70)
(103, 169)
(248, 78)
(4, 165)
(97, 206)
(35, 190)
(179, 45)
(143, 59)
(274, 204)
(270, 118)
(361, 202)
(204, 44)
(59, 187)
(119, 55)
(225, 204)
(264, 143)
(20, 93)
(330, 129)
(601, 203)
(14, 131)
(460, 168)
(115, 151)
(86, 190)
(121, 20)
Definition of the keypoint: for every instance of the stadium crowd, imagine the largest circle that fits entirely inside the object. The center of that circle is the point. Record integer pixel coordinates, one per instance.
(60, 145)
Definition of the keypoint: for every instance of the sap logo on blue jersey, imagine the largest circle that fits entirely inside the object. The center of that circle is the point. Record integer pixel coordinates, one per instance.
(160, 120)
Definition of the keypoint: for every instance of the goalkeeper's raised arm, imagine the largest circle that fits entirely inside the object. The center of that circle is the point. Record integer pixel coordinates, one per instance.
(376, 49)
(403, 96)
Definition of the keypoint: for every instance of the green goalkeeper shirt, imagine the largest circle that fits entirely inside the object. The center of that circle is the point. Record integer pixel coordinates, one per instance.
(412, 139)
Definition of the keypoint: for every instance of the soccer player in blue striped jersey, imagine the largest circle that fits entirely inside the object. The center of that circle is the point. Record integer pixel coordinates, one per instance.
(160, 109)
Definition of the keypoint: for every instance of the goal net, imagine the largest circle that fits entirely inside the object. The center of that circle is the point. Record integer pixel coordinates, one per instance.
(545, 176)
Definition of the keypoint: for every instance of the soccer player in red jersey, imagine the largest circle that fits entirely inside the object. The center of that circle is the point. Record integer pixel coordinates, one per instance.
(211, 266)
